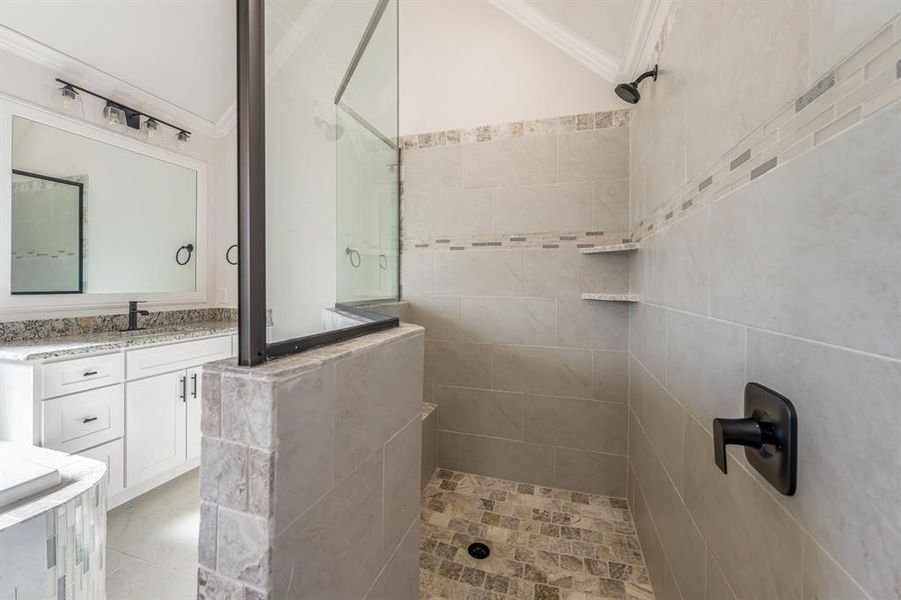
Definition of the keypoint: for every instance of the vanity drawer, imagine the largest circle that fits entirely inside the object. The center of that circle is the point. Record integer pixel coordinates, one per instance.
(74, 423)
(157, 360)
(68, 376)
(113, 454)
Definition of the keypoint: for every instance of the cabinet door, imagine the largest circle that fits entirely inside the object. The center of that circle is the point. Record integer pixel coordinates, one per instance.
(195, 382)
(154, 425)
(111, 454)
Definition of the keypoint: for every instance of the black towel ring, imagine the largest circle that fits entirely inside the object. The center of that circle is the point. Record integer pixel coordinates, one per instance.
(189, 248)
(351, 253)
(228, 253)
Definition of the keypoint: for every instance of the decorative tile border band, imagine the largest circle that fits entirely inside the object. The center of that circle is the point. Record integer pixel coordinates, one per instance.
(519, 129)
(577, 239)
(861, 84)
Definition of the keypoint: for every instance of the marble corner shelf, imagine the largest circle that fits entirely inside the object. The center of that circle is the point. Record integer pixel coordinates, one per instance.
(611, 297)
(630, 247)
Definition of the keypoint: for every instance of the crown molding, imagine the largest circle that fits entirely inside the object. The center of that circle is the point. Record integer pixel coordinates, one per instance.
(584, 52)
(647, 23)
(68, 67)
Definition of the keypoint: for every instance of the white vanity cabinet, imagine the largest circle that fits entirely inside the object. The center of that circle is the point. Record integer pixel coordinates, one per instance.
(137, 410)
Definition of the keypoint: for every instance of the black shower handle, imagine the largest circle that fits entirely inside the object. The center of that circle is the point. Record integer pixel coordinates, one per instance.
(751, 431)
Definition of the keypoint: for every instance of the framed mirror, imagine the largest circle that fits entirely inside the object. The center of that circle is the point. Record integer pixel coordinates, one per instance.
(47, 249)
(92, 217)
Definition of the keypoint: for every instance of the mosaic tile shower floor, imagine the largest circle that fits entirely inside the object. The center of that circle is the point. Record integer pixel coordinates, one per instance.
(546, 544)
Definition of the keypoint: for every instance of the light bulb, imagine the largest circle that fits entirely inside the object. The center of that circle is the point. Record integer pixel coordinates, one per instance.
(69, 101)
(150, 128)
(183, 138)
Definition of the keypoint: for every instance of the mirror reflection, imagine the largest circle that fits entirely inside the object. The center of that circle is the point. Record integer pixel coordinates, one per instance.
(90, 217)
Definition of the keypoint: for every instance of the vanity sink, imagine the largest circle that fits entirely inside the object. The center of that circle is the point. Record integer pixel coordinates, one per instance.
(21, 478)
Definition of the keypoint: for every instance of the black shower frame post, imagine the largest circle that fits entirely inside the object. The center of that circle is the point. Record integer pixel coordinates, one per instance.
(251, 183)
(252, 320)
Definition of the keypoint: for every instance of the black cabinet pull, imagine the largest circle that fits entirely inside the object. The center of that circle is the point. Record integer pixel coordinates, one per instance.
(194, 385)
(184, 389)
(89, 419)
(88, 373)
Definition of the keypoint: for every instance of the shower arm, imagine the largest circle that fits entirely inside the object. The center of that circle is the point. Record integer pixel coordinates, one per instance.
(645, 75)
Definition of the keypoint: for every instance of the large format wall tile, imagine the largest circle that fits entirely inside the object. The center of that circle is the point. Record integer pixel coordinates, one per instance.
(659, 570)
(597, 325)
(593, 472)
(705, 365)
(306, 434)
(434, 168)
(679, 265)
(334, 550)
(661, 417)
(594, 155)
(478, 273)
(576, 423)
(480, 412)
(610, 208)
(510, 162)
(440, 315)
(402, 476)
(844, 498)
(810, 249)
(400, 577)
(745, 528)
(433, 213)
(647, 337)
(682, 541)
(416, 271)
(547, 207)
(530, 321)
(363, 420)
(553, 371)
(458, 363)
(566, 273)
(610, 372)
(507, 459)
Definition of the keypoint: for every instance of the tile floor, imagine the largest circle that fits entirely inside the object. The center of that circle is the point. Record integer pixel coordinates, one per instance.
(546, 544)
(152, 543)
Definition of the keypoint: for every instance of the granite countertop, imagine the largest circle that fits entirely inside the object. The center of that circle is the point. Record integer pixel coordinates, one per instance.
(73, 345)
(77, 474)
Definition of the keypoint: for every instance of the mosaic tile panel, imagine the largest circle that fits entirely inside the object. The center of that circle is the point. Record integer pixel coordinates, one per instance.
(74, 548)
(519, 129)
(546, 543)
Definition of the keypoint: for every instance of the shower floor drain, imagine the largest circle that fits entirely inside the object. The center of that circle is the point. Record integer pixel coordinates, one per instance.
(479, 551)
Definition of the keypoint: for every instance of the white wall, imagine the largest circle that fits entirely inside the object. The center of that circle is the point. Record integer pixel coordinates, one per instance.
(464, 63)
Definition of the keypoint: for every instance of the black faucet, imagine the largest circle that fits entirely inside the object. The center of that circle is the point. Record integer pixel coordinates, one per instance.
(133, 313)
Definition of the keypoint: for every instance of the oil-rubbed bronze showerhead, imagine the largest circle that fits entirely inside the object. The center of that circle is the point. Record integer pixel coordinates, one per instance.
(629, 91)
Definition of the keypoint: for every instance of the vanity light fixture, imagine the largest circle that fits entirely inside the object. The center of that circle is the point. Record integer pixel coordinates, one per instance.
(118, 115)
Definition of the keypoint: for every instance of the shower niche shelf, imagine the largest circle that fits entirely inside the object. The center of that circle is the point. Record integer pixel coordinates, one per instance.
(611, 297)
(629, 247)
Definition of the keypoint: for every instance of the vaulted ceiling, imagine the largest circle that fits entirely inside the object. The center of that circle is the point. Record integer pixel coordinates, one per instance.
(178, 56)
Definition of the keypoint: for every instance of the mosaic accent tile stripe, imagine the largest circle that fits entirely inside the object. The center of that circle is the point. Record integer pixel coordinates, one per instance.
(519, 129)
(581, 239)
(864, 82)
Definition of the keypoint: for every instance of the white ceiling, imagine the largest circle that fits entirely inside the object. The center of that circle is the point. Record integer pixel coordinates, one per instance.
(604, 23)
(180, 51)
(180, 54)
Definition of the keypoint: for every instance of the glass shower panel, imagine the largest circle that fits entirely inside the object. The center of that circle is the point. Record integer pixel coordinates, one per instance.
(331, 182)
(368, 174)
